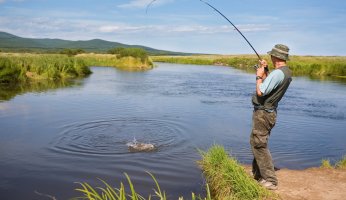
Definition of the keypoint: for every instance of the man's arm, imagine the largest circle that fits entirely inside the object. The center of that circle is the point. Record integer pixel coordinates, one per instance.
(261, 74)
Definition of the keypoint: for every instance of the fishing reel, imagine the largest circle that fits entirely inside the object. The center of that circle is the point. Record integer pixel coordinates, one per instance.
(266, 69)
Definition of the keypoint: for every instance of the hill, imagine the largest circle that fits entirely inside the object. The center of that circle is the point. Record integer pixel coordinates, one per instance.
(13, 43)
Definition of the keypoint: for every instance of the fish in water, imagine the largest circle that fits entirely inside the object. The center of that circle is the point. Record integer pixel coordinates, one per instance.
(135, 146)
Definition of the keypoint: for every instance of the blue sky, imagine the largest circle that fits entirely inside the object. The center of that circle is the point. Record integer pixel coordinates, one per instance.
(308, 27)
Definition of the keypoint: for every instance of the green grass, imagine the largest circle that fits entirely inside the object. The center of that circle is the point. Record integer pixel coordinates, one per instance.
(107, 192)
(326, 164)
(341, 164)
(228, 179)
(127, 63)
(19, 67)
(300, 65)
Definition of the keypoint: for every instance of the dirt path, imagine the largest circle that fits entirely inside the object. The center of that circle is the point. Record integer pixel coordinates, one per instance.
(312, 184)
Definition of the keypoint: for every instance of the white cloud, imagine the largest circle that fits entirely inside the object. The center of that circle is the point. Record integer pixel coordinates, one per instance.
(2, 1)
(197, 29)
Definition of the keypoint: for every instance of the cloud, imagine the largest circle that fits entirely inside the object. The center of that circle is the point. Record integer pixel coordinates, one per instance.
(143, 3)
(166, 29)
(2, 1)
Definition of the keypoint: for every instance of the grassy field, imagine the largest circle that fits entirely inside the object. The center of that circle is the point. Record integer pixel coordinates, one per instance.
(300, 65)
(19, 67)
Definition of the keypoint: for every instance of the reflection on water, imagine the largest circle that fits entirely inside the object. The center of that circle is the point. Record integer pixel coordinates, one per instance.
(9, 91)
(335, 79)
(58, 134)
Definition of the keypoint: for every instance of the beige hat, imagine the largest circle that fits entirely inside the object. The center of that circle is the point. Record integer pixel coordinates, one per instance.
(280, 51)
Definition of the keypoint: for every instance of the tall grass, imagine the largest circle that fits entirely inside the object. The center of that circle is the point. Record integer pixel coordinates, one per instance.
(108, 192)
(128, 63)
(300, 65)
(16, 67)
(20, 67)
(228, 179)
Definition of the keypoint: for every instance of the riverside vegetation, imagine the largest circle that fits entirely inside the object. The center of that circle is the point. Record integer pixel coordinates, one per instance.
(21, 67)
(300, 65)
(225, 178)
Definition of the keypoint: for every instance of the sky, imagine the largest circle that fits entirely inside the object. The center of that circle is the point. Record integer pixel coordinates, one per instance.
(308, 27)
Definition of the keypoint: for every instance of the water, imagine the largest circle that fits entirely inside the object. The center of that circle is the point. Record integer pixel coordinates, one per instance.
(52, 137)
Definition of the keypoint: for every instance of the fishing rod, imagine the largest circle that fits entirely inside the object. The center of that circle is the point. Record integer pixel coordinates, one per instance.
(223, 17)
(234, 27)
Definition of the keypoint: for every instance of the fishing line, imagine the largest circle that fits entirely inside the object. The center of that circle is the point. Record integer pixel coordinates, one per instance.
(223, 17)
(146, 10)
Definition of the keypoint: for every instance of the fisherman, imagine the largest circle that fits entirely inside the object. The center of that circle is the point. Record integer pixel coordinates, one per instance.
(270, 88)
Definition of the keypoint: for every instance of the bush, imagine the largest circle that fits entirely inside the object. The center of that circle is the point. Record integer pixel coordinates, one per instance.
(72, 52)
(127, 52)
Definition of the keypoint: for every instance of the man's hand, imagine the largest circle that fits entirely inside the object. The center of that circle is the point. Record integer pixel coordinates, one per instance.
(261, 71)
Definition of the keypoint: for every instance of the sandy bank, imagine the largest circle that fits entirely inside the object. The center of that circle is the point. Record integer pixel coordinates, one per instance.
(313, 183)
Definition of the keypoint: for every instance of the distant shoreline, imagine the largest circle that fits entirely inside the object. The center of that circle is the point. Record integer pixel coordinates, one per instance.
(333, 66)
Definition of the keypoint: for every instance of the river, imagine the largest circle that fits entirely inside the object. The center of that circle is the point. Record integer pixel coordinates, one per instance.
(52, 138)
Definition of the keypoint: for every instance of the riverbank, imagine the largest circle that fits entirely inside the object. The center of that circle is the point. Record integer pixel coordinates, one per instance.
(311, 184)
(228, 179)
(300, 65)
(21, 67)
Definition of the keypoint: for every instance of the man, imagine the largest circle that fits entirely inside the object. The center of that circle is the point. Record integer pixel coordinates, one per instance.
(269, 91)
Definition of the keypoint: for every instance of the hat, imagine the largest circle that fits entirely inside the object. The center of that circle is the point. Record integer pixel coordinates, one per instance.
(280, 51)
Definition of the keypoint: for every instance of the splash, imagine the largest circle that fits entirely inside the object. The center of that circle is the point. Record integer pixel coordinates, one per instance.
(135, 146)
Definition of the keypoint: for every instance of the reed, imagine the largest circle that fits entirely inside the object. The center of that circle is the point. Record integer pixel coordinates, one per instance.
(108, 192)
(128, 63)
(17, 67)
(228, 179)
(300, 65)
(21, 67)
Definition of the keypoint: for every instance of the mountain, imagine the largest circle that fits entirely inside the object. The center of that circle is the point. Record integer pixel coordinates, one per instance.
(13, 43)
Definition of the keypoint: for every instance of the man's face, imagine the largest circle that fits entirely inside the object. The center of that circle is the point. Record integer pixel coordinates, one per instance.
(273, 59)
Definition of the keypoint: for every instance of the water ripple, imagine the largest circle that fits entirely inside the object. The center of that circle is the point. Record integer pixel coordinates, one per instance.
(109, 137)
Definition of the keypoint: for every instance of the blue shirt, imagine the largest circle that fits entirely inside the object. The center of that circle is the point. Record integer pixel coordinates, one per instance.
(273, 80)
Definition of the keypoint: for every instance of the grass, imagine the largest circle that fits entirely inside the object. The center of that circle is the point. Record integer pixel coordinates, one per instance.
(341, 164)
(16, 67)
(300, 65)
(128, 63)
(225, 176)
(326, 164)
(108, 192)
(228, 179)
(19, 67)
